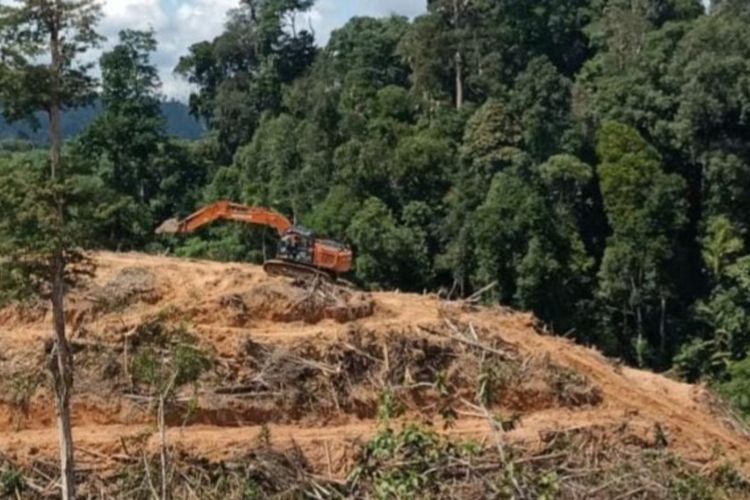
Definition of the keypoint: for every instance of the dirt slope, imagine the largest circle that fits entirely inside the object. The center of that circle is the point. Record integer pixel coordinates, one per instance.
(292, 364)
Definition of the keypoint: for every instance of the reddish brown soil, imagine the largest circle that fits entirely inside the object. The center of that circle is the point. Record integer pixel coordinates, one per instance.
(634, 403)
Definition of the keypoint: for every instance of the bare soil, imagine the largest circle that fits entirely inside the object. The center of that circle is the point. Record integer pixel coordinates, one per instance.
(308, 366)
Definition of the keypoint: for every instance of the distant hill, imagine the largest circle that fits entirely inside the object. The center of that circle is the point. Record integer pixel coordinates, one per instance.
(179, 123)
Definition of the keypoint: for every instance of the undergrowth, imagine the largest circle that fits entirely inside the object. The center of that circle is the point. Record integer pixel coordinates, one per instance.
(166, 358)
(416, 462)
(19, 388)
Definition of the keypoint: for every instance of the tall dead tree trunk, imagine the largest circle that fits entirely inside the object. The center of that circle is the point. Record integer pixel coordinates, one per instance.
(163, 447)
(62, 372)
(164, 394)
(458, 58)
(62, 369)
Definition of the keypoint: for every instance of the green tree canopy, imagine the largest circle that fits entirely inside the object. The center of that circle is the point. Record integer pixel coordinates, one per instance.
(646, 210)
(240, 73)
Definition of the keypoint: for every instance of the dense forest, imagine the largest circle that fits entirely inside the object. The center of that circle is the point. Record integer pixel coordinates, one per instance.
(592, 157)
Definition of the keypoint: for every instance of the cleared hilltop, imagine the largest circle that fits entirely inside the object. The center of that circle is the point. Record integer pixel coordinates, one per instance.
(299, 378)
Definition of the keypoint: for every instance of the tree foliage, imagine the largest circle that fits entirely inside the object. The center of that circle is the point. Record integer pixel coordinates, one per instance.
(241, 72)
(589, 156)
(646, 210)
(45, 243)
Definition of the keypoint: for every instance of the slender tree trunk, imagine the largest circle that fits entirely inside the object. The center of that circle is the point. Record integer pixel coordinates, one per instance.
(163, 447)
(459, 60)
(163, 452)
(62, 371)
(663, 329)
(63, 368)
(639, 321)
(459, 80)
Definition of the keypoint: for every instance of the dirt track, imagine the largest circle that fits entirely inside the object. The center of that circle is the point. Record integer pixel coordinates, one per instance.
(634, 403)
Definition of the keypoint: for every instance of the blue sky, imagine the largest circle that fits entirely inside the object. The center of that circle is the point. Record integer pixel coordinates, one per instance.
(180, 23)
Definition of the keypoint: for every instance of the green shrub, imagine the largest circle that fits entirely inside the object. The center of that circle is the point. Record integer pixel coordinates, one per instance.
(737, 389)
(11, 483)
(167, 358)
(405, 464)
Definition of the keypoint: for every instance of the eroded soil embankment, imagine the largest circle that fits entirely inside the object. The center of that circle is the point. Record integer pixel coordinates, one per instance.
(317, 366)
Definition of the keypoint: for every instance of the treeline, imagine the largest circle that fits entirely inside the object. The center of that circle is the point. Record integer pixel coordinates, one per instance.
(592, 157)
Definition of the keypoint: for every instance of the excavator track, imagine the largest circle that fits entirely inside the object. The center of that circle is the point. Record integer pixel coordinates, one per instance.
(296, 271)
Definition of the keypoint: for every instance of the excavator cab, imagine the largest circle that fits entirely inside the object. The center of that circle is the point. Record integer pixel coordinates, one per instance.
(297, 245)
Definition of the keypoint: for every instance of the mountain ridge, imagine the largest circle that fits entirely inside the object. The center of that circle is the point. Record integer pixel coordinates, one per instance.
(179, 123)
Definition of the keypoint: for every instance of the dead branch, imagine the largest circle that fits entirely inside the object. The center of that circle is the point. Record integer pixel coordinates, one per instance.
(478, 294)
(494, 427)
(110, 456)
(502, 354)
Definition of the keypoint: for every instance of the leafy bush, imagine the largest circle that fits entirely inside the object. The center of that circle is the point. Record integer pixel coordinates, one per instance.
(11, 482)
(167, 360)
(403, 464)
(737, 390)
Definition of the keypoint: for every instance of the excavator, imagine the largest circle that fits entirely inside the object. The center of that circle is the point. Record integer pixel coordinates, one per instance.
(300, 254)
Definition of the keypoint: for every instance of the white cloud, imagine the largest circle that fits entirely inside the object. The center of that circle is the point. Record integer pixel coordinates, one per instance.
(177, 23)
(327, 15)
(180, 23)
(134, 14)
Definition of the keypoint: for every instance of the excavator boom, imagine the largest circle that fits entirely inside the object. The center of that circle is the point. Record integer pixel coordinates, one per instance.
(301, 253)
(224, 210)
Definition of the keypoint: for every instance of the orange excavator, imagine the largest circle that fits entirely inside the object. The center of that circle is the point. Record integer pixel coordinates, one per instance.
(300, 253)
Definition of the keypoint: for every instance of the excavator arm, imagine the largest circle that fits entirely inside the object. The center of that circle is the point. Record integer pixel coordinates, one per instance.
(224, 210)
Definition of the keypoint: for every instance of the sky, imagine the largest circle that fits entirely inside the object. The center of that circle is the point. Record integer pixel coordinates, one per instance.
(180, 23)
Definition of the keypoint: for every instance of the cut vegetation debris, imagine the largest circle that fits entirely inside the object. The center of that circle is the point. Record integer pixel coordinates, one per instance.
(217, 381)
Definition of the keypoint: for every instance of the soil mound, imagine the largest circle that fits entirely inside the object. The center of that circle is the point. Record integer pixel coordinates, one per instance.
(309, 302)
(285, 387)
(131, 285)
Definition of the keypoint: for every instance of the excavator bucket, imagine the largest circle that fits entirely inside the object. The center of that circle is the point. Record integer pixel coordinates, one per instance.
(171, 226)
